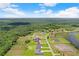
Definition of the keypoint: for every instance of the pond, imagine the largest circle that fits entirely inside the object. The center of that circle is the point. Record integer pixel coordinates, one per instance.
(71, 37)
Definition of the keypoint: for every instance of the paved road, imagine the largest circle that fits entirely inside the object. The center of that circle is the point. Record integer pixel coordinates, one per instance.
(49, 46)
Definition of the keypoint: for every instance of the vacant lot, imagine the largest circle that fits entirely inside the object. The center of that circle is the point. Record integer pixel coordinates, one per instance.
(21, 48)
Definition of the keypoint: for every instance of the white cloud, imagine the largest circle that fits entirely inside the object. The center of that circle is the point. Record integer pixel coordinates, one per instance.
(4, 5)
(72, 12)
(10, 16)
(11, 10)
(49, 12)
(44, 11)
(48, 4)
(14, 11)
(40, 11)
(13, 5)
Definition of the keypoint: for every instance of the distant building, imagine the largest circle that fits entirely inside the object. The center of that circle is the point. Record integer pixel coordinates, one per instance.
(36, 39)
(38, 46)
(38, 51)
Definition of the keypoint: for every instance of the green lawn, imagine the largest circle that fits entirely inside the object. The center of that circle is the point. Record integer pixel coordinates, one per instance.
(44, 45)
(45, 48)
(63, 40)
(77, 36)
(32, 46)
(47, 54)
(30, 51)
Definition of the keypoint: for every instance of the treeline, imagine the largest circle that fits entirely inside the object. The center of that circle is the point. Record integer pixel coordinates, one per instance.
(9, 38)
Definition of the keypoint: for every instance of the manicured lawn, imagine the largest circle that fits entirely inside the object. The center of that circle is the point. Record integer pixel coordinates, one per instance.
(47, 54)
(44, 45)
(45, 48)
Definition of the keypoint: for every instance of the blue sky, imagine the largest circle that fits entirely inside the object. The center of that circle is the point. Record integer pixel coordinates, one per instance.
(50, 10)
(35, 6)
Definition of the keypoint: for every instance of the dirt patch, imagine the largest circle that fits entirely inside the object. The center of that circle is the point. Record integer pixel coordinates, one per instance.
(65, 49)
